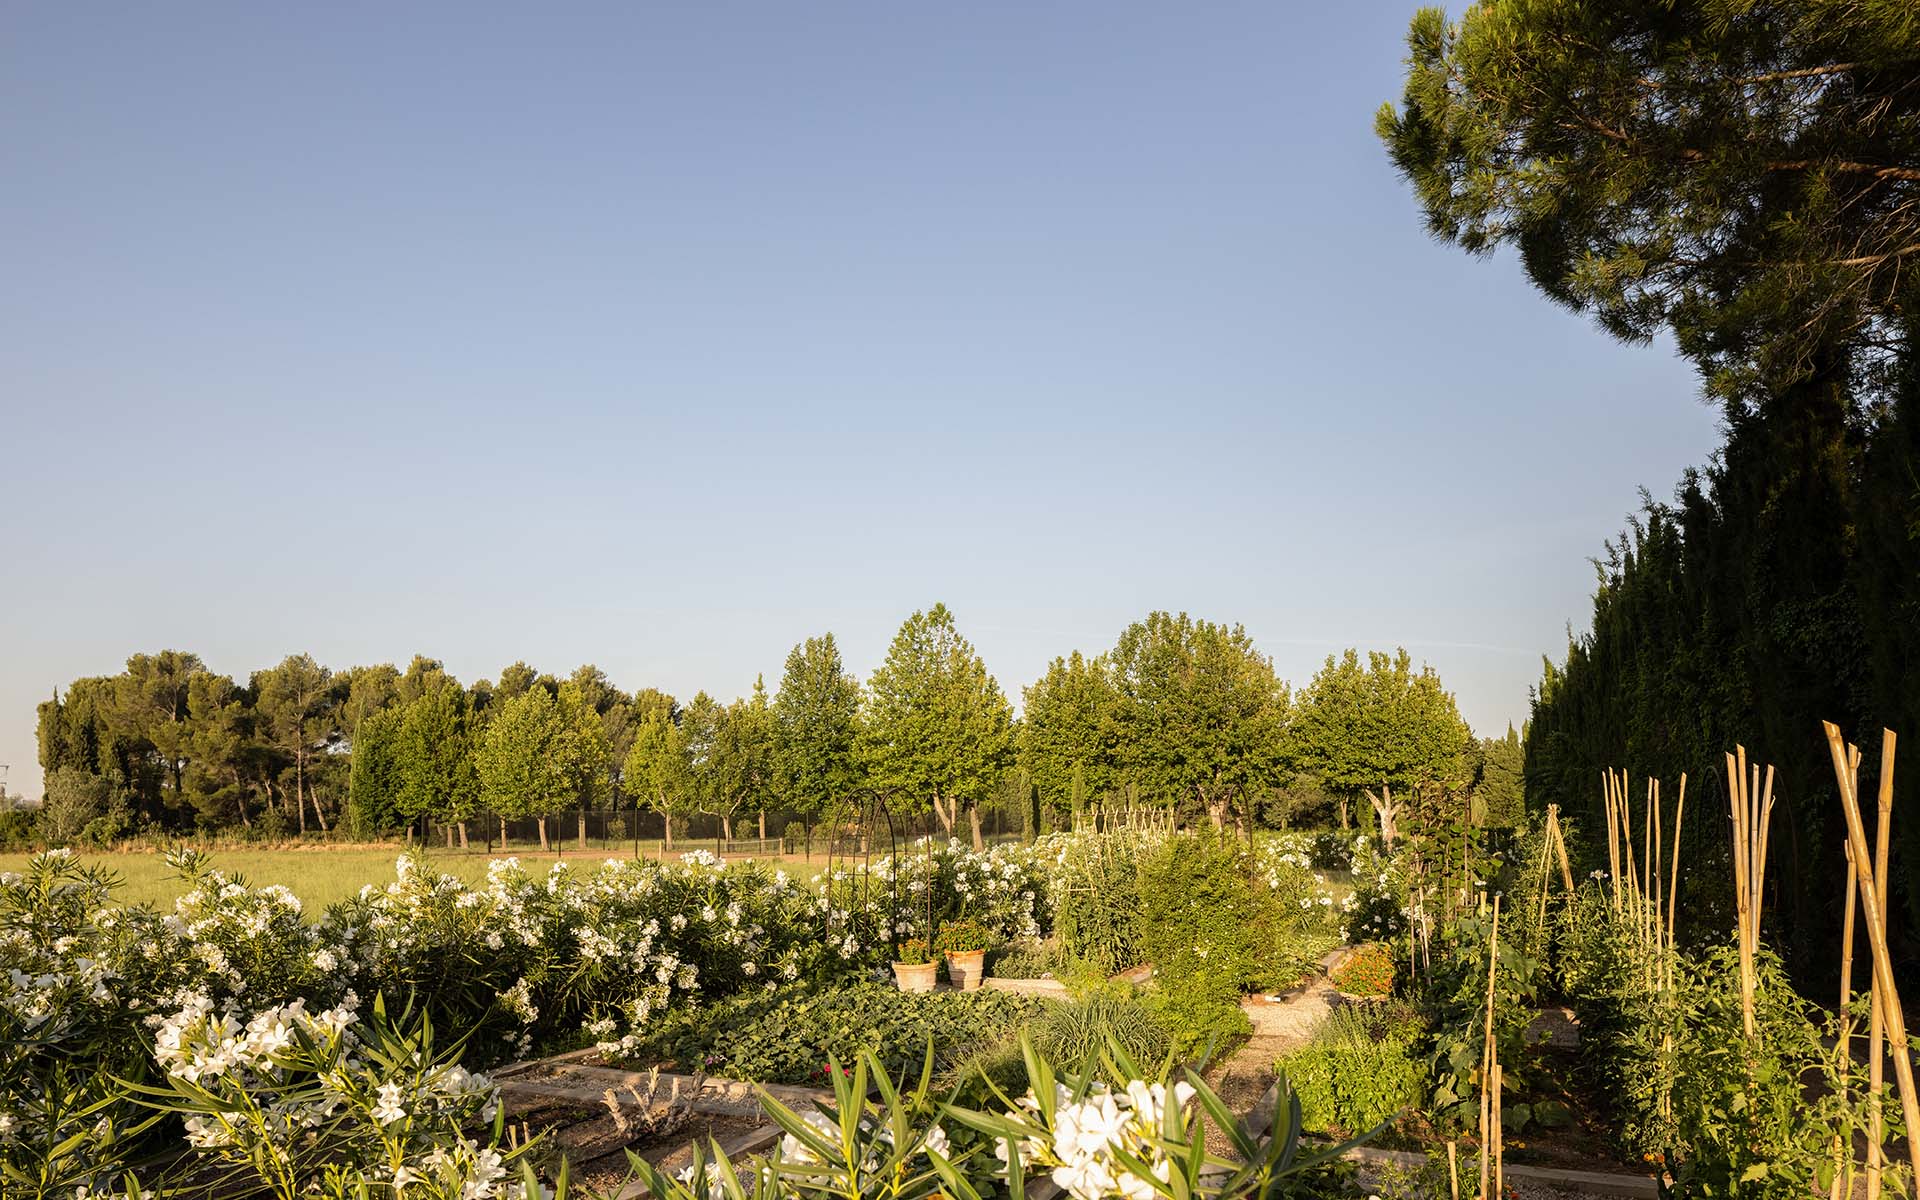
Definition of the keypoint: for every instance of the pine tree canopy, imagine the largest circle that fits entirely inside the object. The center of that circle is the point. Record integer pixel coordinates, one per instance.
(1743, 174)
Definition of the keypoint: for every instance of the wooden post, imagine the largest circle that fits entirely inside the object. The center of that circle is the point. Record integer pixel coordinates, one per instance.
(1888, 996)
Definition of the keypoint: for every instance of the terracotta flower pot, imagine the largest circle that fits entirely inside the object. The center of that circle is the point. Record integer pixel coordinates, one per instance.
(966, 968)
(914, 977)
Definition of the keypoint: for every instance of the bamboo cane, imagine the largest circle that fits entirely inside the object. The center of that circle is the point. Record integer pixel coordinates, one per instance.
(1653, 867)
(1453, 1170)
(1760, 854)
(1895, 1019)
(1876, 1022)
(1560, 846)
(1626, 832)
(1841, 1159)
(1673, 888)
(1613, 843)
(1499, 1133)
(1489, 1063)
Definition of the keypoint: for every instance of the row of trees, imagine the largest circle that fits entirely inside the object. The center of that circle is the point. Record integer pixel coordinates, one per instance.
(1180, 713)
(1749, 185)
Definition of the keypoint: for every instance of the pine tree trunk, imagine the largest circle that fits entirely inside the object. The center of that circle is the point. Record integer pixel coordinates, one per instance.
(463, 835)
(543, 832)
(300, 789)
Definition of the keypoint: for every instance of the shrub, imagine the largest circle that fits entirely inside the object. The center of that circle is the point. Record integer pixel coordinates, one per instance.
(1026, 960)
(788, 1038)
(1358, 1069)
(1200, 921)
(1368, 971)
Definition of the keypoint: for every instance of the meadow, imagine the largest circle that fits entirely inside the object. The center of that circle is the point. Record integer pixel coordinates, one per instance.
(321, 874)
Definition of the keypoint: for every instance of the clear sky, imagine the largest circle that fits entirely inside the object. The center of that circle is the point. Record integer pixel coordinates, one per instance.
(665, 336)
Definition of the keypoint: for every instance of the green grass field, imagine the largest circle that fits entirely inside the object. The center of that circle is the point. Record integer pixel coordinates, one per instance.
(320, 875)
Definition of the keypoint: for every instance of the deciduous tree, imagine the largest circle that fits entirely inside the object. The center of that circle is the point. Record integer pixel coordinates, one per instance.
(935, 730)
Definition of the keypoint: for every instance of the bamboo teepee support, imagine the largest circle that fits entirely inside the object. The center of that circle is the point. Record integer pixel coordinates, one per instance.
(1886, 994)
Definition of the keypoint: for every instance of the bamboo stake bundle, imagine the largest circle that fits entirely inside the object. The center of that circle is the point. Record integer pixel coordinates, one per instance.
(1750, 813)
(1868, 878)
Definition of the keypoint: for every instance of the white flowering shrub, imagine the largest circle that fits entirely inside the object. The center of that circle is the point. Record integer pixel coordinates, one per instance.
(869, 909)
(74, 978)
(308, 1105)
(647, 933)
(477, 958)
(226, 938)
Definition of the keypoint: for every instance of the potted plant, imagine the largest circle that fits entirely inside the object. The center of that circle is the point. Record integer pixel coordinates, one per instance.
(964, 942)
(913, 968)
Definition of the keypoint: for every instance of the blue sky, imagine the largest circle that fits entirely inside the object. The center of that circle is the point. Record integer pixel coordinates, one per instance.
(663, 338)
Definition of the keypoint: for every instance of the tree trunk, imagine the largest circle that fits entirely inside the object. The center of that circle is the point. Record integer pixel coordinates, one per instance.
(667, 843)
(973, 817)
(463, 835)
(300, 788)
(763, 824)
(448, 831)
(583, 831)
(941, 812)
(542, 819)
(503, 833)
(726, 827)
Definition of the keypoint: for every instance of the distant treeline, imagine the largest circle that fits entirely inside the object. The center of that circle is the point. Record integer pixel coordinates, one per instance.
(1180, 714)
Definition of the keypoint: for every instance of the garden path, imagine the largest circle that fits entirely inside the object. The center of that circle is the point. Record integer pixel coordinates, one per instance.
(1279, 1024)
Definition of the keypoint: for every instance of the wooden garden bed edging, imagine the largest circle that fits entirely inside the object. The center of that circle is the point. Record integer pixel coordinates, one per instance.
(582, 1083)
